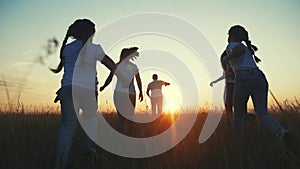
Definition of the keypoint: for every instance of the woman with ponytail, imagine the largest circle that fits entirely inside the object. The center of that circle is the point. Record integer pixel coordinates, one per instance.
(85, 53)
(249, 81)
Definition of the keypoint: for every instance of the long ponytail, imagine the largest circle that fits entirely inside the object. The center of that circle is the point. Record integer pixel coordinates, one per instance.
(62, 60)
(252, 49)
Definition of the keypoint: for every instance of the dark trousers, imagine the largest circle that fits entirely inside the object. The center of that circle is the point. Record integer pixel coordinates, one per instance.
(252, 83)
(229, 90)
(125, 105)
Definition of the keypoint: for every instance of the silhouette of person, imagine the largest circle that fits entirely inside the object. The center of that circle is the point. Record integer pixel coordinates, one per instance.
(125, 96)
(156, 94)
(249, 81)
(229, 76)
(86, 54)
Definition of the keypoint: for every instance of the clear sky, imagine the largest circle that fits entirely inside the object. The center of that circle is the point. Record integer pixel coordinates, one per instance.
(273, 26)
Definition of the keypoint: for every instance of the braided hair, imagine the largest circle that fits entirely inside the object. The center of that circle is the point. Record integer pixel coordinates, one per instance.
(239, 33)
(81, 29)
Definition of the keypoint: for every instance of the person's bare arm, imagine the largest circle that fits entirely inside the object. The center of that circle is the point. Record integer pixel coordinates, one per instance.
(107, 81)
(148, 89)
(109, 63)
(167, 83)
(217, 80)
(139, 83)
(237, 51)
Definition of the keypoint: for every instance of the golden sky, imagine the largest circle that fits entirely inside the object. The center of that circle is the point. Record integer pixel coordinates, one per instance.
(27, 25)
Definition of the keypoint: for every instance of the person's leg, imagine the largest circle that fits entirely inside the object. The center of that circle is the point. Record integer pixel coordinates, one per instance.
(159, 105)
(88, 102)
(260, 101)
(132, 98)
(153, 105)
(117, 102)
(66, 130)
(130, 120)
(229, 98)
(241, 96)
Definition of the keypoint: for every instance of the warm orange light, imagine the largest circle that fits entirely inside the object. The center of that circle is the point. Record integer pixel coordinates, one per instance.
(172, 106)
(172, 99)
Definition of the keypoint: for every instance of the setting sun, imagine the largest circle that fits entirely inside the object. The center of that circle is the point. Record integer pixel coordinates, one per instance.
(171, 106)
(172, 99)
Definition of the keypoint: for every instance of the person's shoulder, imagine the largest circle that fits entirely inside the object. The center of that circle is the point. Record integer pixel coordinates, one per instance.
(96, 49)
(133, 65)
(74, 44)
(232, 45)
(151, 83)
(94, 45)
(71, 47)
(160, 81)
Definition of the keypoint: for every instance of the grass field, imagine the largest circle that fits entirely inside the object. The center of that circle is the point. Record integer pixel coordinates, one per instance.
(27, 141)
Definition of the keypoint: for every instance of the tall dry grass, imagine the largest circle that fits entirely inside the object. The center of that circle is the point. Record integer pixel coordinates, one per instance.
(27, 140)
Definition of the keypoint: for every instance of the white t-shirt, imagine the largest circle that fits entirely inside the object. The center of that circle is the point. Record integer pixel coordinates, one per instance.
(155, 87)
(246, 61)
(129, 70)
(80, 66)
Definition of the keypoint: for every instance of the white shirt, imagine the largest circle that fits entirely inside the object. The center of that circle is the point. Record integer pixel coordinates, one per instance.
(155, 87)
(80, 65)
(246, 61)
(129, 70)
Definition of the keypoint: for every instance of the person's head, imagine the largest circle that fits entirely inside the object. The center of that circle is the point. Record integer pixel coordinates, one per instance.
(129, 53)
(238, 33)
(81, 29)
(154, 77)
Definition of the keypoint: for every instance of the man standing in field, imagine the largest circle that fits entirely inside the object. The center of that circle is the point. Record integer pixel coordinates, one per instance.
(156, 94)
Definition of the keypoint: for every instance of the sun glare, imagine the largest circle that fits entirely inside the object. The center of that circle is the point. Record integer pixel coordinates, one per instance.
(172, 107)
(172, 99)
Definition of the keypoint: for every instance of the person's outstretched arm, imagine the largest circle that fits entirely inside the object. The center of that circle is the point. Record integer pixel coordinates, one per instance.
(139, 83)
(167, 83)
(217, 80)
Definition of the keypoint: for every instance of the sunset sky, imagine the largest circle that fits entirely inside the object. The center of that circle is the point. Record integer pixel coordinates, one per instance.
(26, 26)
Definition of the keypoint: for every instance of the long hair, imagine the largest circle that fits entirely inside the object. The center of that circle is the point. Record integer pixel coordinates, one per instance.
(239, 33)
(126, 52)
(81, 29)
